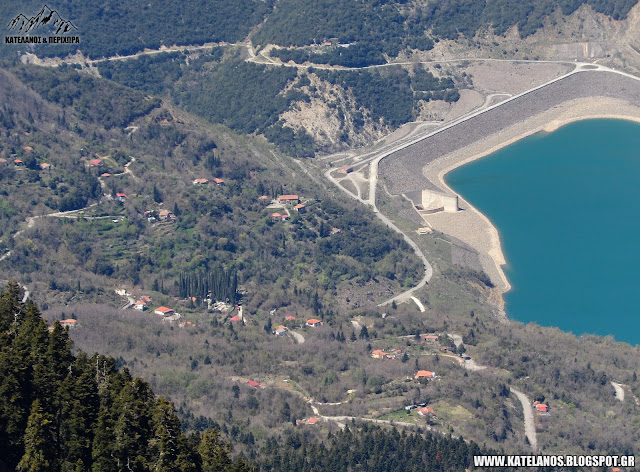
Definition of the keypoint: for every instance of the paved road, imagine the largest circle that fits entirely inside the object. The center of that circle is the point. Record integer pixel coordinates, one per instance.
(529, 425)
(428, 270)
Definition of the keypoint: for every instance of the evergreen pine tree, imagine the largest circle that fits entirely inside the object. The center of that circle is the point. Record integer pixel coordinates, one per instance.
(10, 305)
(133, 425)
(79, 410)
(27, 339)
(364, 333)
(167, 435)
(103, 447)
(214, 452)
(38, 442)
(157, 196)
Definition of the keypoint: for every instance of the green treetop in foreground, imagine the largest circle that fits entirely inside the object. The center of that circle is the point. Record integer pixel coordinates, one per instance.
(78, 413)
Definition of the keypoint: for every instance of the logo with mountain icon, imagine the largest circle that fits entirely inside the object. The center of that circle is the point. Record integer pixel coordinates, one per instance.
(46, 17)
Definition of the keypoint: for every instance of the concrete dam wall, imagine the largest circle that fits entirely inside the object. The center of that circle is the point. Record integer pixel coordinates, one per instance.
(433, 202)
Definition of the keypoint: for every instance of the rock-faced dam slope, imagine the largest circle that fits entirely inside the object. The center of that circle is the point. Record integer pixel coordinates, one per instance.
(403, 170)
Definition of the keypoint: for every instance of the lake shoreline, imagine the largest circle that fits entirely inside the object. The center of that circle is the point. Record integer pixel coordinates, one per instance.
(473, 227)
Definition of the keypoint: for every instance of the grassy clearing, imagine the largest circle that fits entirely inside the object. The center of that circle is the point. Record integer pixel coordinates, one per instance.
(402, 416)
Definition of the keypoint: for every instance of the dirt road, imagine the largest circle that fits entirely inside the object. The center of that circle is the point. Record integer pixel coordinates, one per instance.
(619, 391)
(529, 427)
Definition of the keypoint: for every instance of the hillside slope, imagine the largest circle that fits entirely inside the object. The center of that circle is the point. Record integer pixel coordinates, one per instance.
(125, 157)
(307, 113)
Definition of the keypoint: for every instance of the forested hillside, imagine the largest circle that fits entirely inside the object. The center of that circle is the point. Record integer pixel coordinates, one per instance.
(253, 98)
(186, 214)
(75, 412)
(236, 85)
(152, 154)
(120, 27)
(375, 450)
(60, 411)
(390, 26)
(377, 27)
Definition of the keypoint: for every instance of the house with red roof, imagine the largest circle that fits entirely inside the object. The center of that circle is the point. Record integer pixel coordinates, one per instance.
(253, 383)
(68, 322)
(345, 170)
(263, 199)
(166, 215)
(45, 166)
(106, 174)
(280, 330)
(424, 374)
(285, 217)
(95, 163)
(290, 318)
(218, 181)
(379, 354)
(313, 322)
(235, 318)
(424, 411)
(313, 420)
(542, 408)
(164, 311)
(18, 162)
(276, 217)
(429, 337)
(201, 182)
(288, 199)
(121, 197)
(140, 305)
(300, 208)
(28, 148)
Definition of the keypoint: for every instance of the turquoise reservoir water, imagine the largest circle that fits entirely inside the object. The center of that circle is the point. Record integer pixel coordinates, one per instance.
(567, 207)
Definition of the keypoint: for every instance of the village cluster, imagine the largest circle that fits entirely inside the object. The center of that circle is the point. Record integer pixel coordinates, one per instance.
(17, 162)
